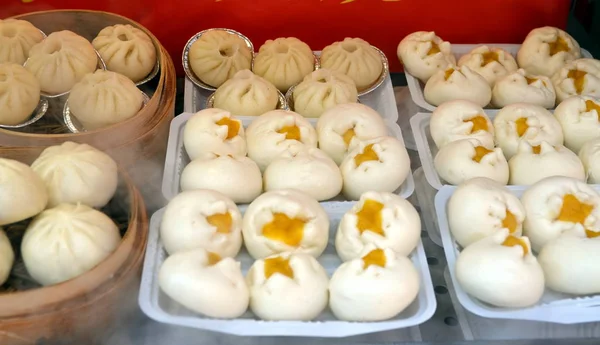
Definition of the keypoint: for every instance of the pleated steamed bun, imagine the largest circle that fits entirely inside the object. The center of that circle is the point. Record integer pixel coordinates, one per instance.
(19, 94)
(16, 39)
(578, 77)
(546, 49)
(61, 60)
(460, 119)
(423, 53)
(67, 241)
(7, 257)
(457, 83)
(104, 98)
(356, 58)
(321, 90)
(492, 63)
(579, 117)
(521, 87)
(126, 50)
(284, 62)
(77, 173)
(246, 94)
(217, 55)
(213, 132)
(590, 157)
(22, 192)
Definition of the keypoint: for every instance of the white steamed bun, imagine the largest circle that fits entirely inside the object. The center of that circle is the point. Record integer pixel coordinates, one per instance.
(579, 117)
(546, 49)
(460, 119)
(457, 83)
(521, 87)
(16, 39)
(589, 155)
(287, 287)
(246, 94)
(67, 241)
(22, 192)
(19, 94)
(61, 60)
(385, 220)
(492, 63)
(423, 53)
(578, 77)
(7, 257)
(77, 173)
(284, 62)
(126, 50)
(321, 90)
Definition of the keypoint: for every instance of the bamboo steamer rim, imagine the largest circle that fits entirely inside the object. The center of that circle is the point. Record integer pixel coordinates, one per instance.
(161, 55)
(42, 299)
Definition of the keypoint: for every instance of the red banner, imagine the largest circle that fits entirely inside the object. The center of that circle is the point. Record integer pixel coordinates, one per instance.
(320, 22)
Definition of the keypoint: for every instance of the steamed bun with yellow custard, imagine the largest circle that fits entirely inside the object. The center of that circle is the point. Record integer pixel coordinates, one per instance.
(23, 193)
(578, 77)
(492, 63)
(546, 49)
(522, 87)
(376, 286)
(455, 83)
(460, 119)
(579, 117)
(287, 286)
(481, 207)
(558, 204)
(285, 221)
(590, 157)
(501, 270)
(246, 94)
(423, 53)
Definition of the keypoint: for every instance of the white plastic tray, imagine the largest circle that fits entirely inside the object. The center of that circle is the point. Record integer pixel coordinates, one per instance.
(426, 196)
(553, 307)
(161, 308)
(416, 87)
(177, 158)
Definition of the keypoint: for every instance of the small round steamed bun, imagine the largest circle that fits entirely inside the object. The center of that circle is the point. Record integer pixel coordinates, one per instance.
(7, 257)
(578, 77)
(237, 177)
(202, 219)
(501, 270)
(104, 98)
(569, 262)
(465, 159)
(246, 94)
(481, 207)
(385, 220)
(287, 287)
(321, 90)
(380, 165)
(16, 39)
(558, 204)
(308, 170)
(284, 62)
(356, 58)
(19, 94)
(525, 122)
(546, 49)
(375, 287)
(77, 173)
(217, 55)
(23, 193)
(579, 117)
(67, 241)
(534, 163)
(126, 50)
(423, 53)
(61, 60)
(342, 127)
(491, 63)
(520, 87)
(205, 283)
(277, 132)
(590, 157)
(285, 221)
(213, 132)
(457, 83)
(460, 119)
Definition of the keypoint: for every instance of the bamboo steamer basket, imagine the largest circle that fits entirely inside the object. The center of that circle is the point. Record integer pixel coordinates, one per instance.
(80, 310)
(138, 144)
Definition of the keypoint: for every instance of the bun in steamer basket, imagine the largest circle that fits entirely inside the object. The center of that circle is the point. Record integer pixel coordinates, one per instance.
(19, 94)
(16, 39)
(7, 257)
(22, 192)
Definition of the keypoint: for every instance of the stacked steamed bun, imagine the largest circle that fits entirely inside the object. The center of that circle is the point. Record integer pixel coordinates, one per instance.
(278, 150)
(545, 240)
(63, 190)
(548, 69)
(525, 143)
(285, 233)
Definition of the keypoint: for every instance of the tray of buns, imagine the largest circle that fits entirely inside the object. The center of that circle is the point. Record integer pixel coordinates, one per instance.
(513, 251)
